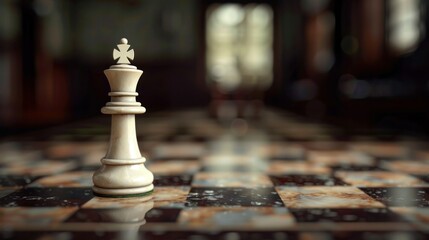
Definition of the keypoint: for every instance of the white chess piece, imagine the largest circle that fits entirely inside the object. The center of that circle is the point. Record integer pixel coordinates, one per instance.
(123, 173)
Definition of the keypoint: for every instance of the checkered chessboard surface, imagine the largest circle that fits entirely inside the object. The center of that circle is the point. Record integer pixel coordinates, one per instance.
(276, 178)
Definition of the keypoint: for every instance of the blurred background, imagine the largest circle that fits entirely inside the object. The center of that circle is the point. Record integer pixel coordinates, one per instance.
(358, 64)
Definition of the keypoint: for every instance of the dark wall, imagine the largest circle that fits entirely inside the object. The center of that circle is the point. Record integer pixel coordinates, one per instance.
(53, 54)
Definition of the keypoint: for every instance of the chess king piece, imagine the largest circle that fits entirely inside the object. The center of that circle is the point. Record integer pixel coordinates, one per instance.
(123, 173)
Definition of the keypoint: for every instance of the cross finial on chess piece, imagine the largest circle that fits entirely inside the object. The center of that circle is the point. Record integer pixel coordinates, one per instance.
(123, 54)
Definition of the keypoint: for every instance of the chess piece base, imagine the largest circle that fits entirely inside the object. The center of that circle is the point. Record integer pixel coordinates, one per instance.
(124, 193)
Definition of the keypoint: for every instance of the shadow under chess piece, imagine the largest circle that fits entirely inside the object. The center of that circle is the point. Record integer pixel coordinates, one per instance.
(123, 173)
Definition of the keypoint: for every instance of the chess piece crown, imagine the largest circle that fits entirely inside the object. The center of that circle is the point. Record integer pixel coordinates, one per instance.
(123, 55)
